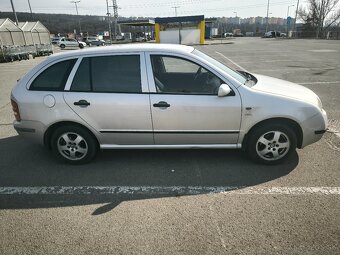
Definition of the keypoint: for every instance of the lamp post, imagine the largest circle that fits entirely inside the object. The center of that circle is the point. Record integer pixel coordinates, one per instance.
(267, 17)
(296, 13)
(287, 18)
(29, 5)
(75, 3)
(175, 7)
(15, 14)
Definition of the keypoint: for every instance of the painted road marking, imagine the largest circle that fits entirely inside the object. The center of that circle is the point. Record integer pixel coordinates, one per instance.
(163, 190)
(219, 53)
(323, 50)
(319, 82)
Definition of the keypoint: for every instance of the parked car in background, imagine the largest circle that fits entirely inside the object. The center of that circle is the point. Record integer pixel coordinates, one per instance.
(55, 40)
(228, 34)
(92, 40)
(69, 42)
(274, 34)
(120, 37)
(161, 96)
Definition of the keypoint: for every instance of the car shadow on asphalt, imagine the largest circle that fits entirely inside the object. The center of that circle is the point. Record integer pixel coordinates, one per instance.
(23, 164)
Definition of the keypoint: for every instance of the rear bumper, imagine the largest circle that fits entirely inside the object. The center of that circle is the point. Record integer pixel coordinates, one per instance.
(32, 130)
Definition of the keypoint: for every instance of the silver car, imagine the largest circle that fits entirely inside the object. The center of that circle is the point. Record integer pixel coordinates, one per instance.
(70, 42)
(161, 96)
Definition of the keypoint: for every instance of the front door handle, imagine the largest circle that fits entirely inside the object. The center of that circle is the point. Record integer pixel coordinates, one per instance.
(161, 104)
(82, 103)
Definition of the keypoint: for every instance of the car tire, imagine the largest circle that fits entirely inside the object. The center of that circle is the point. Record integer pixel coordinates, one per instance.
(271, 143)
(62, 46)
(81, 46)
(90, 44)
(73, 144)
(103, 44)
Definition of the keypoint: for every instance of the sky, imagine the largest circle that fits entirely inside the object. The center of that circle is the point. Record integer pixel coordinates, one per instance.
(160, 8)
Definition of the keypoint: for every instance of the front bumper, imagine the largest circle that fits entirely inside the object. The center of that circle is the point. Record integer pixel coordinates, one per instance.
(314, 128)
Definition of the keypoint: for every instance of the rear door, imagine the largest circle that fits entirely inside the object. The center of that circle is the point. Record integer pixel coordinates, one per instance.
(72, 43)
(110, 93)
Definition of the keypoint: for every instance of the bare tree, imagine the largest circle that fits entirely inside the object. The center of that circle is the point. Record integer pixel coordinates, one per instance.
(320, 15)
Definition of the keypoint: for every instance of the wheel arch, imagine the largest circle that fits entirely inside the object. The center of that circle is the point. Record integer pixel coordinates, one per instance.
(49, 132)
(284, 121)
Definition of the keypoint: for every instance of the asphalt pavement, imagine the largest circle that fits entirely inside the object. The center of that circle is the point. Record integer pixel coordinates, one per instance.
(180, 201)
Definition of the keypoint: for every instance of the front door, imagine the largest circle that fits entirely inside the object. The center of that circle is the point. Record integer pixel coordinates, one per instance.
(186, 109)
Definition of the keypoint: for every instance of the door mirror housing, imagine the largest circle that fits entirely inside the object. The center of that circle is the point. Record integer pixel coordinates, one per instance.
(224, 90)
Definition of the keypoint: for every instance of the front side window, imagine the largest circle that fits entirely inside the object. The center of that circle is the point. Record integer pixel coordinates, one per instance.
(180, 76)
(236, 75)
(54, 77)
(111, 74)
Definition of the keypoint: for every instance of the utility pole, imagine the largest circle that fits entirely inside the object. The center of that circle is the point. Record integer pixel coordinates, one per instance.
(267, 17)
(15, 14)
(75, 3)
(296, 13)
(29, 4)
(176, 7)
(109, 19)
(287, 18)
(115, 18)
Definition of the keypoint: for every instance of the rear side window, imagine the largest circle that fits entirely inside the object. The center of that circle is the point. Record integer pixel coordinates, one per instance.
(111, 74)
(54, 77)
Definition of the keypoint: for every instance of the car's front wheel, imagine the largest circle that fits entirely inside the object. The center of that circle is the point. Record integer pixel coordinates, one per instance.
(62, 46)
(81, 46)
(74, 144)
(272, 143)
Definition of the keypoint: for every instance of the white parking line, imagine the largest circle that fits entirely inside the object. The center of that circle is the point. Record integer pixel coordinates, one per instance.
(319, 82)
(164, 190)
(234, 63)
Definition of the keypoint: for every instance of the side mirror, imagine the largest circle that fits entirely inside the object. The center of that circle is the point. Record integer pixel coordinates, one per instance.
(224, 90)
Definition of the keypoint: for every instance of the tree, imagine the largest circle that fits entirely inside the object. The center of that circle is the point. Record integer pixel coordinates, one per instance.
(320, 15)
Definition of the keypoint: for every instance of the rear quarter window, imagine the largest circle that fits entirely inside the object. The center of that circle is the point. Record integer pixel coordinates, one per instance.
(54, 77)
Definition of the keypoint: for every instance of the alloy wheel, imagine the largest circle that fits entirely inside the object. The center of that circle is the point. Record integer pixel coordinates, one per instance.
(72, 146)
(273, 145)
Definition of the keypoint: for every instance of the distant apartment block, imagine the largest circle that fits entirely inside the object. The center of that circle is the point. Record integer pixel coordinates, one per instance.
(250, 20)
(260, 21)
(233, 20)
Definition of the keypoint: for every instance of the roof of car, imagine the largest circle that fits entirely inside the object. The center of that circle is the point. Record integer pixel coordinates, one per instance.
(149, 47)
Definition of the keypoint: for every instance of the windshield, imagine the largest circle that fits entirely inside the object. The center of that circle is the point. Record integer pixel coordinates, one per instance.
(239, 77)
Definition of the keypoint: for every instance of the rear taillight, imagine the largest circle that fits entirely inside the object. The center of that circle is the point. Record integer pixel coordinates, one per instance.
(16, 111)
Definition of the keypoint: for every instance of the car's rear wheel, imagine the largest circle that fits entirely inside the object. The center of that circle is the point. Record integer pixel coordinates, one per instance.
(73, 144)
(272, 143)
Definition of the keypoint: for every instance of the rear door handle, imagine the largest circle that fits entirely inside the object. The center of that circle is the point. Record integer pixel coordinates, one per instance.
(82, 103)
(161, 104)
